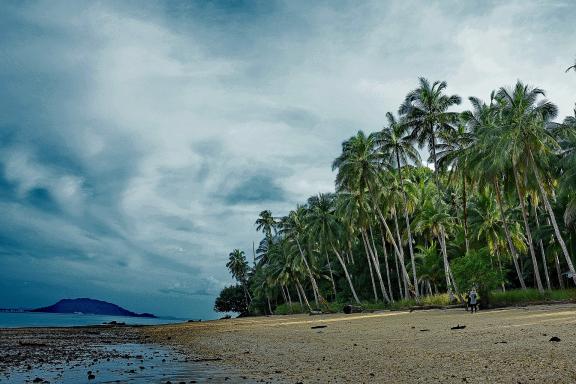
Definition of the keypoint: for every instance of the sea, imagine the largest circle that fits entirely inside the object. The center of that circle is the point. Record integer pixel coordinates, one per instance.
(37, 319)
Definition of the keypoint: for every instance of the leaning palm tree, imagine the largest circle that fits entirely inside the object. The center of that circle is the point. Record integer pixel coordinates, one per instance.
(359, 172)
(326, 225)
(293, 227)
(526, 138)
(396, 146)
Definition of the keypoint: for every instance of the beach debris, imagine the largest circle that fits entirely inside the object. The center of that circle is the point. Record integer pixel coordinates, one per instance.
(459, 327)
(318, 326)
(424, 330)
(313, 313)
(201, 359)
(501, 342)
(348, 309)
(555, 338)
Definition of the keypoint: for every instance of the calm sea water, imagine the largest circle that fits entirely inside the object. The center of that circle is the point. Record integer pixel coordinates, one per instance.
(35, 319)
(146, 364)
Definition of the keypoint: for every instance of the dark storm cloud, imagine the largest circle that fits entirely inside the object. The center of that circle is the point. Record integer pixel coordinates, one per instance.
(139, 140)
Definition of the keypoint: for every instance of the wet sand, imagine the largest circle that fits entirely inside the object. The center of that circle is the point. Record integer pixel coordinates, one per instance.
(503, 346)
(99, 354)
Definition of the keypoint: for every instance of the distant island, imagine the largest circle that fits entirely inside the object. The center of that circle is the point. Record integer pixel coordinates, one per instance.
(91, 307)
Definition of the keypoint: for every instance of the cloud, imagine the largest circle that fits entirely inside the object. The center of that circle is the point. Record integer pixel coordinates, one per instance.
(140, 140)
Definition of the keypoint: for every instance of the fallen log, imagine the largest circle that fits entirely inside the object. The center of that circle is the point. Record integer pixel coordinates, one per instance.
(348, 309)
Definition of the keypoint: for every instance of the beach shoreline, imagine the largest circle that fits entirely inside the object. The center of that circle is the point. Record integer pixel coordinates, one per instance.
(508, 345)
(505, 345)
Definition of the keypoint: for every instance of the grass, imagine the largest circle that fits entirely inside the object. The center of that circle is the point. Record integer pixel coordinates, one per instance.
(497, 298)
(519, 296)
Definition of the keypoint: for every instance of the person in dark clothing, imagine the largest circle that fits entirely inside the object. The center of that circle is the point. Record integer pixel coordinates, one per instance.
(473, 299)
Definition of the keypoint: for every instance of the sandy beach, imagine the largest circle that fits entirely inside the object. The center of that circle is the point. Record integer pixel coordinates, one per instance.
(506, 346)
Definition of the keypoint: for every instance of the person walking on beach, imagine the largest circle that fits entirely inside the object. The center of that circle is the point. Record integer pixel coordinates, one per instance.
(473, 299)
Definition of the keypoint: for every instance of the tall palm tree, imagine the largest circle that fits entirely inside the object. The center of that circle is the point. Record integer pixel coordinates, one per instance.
(266, 223)
(453, 153)
(426, 113)
(359, 169)
(294, 228)
(325, 223)
(238, 266)
(394, 143)
(488, 169)
(525, 136)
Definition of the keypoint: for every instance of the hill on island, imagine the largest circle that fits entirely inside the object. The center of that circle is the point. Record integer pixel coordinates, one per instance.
(89, 306)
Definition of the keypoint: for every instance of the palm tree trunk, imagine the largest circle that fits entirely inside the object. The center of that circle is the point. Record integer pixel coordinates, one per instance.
(331, 275)
(405, 277)
(315, 290)
(393, 242)
(558, 270)
(376, 266)
(269, 305)
(387, 267)
(346, 273)
(398, 279)
(541, 243)
(407, 220)
(350, 251)
(371, 273)
(446, 266)
(552, 217)
(299, 297)
(500, 269)
(303, 294)
(283, 293)
(376, 256)
(465, 214)
(289, 298)
(527, 229)
(507, 233)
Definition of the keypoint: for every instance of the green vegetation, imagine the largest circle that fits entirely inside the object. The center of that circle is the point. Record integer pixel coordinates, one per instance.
(495, 209)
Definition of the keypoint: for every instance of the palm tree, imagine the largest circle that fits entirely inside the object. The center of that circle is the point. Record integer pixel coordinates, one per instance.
(239, 269)
(526, 137)
(486, 168)
(394, 143)
(266, 223)
(426, 112)
(435, 219)
(326, 225)
(452, 155)
(359, 169)
(293, 227)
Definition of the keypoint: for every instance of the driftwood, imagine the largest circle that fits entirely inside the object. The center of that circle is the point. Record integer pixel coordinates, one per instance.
(313, 313)
(318, 326)
(348, 309)
(459, 327)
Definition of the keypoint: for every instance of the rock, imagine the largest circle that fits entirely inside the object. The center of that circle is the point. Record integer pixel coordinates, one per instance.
(38, 380)
(424, 330)
(318, 326)
(91, 377)
(459, 327)
(555, 338)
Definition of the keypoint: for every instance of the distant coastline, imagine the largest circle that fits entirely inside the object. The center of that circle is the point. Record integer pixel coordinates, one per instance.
(82, 306)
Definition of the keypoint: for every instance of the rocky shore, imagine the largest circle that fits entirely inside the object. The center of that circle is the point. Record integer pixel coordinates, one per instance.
(111, 353)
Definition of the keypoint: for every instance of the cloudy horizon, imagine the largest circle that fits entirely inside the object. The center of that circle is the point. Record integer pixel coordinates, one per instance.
(140, 140)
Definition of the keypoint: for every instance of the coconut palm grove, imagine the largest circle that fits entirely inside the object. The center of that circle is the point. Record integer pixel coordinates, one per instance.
(435, 203)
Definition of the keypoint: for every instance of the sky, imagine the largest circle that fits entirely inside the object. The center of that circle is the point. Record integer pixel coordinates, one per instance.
(139, 140)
